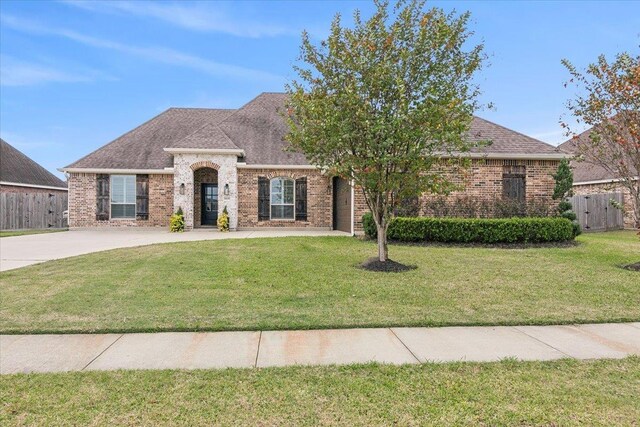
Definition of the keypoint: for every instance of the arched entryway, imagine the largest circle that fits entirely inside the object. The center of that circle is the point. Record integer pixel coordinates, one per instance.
(205, 197)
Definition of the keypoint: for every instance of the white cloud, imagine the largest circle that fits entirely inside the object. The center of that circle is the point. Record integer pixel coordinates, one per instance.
(14, 72)
(157, 54)
(200, 16)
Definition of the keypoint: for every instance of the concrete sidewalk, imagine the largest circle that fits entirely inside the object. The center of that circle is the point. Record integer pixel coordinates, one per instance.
(20, 251)
(205, 350)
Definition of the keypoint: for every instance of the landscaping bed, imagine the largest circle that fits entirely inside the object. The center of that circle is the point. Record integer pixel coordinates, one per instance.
(315, 282)
(564, 392)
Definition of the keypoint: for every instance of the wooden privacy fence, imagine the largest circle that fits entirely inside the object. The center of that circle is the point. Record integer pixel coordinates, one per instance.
(595, 212)
(32, 210)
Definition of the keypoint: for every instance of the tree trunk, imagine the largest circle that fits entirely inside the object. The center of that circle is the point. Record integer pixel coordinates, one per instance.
(383, 251)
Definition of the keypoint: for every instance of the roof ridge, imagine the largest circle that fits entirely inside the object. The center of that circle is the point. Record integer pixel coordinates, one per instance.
(515, 131)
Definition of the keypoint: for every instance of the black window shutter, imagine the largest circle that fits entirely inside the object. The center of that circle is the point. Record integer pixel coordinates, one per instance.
(263, 199)
(102, 197)
(142, 197)
(514, 183)
(301, 199)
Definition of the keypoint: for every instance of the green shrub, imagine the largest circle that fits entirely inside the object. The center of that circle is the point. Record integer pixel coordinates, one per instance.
(564, 206)
(577, 230)
(176, 222)
(463, 230)
(369, 225)
(570, 215)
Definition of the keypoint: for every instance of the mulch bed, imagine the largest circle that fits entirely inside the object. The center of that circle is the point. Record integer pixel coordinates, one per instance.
(632, 267)
(374, 264)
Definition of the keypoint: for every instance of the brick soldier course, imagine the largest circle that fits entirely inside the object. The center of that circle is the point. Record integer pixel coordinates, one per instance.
(183, 148)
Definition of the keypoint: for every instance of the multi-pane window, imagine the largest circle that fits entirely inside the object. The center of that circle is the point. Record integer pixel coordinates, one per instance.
(123, 196)
(282, 198)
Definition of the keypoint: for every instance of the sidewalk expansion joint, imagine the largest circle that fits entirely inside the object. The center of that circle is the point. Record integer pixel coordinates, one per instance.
(255, 364)
(102, 352)
(543, 342)
(405, 346)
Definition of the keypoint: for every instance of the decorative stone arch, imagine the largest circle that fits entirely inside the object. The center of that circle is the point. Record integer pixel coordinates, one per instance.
(204, 164)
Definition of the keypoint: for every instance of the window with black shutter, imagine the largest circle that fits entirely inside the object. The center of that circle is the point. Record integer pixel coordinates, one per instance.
(263, 199)
(301, 199)
(514, 183)
(142, 197)
(102, 197)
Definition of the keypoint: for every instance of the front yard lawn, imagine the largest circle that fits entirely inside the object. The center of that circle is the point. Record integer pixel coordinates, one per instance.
(12, 233)
(299, 283)
(565, 392)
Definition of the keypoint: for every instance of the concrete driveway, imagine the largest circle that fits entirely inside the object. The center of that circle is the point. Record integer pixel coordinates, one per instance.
(20, 251)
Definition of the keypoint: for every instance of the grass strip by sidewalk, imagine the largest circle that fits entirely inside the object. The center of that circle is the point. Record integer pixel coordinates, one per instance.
(565, 392)
(13, 233)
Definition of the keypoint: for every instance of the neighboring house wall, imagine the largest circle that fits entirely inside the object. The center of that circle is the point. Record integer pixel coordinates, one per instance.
(484, 180)
(319, 198)
(584, 189)
(30, 190)
(82, 202)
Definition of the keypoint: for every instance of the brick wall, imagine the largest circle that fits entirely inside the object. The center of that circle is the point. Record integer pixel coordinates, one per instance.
(30, 190)
(82, 202)
(629, 217)
(483, 180)
(319, 198)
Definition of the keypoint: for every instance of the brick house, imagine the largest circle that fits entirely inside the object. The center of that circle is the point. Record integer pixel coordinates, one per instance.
(591, 178)
(203, 160)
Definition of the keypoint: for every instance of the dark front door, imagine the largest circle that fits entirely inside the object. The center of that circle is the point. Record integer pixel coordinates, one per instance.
(209, 204)
(341, 205)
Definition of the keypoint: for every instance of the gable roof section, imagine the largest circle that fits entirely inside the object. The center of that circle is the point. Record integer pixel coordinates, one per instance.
(142, 147)
(16, 167)
(585, 170)
(209, 136)
(258, 128)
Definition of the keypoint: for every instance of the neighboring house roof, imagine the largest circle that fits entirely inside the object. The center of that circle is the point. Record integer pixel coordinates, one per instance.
(258, 129)
(17, 168)
(585, 171)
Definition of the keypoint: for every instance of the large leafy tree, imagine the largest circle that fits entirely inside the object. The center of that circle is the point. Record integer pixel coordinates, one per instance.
(609, 101)
(381, 104)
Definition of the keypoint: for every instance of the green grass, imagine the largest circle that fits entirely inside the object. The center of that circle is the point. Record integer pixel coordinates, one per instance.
(565, 392)
(12, 233)
(300, 283)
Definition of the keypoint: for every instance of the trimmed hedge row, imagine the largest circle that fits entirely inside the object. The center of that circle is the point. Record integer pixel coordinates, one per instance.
(465, 230)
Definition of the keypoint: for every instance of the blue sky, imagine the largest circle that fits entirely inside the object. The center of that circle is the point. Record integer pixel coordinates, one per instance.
(74, 75)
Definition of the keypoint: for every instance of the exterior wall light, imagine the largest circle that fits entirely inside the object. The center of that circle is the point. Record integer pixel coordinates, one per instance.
(226, 189)
(182, 188)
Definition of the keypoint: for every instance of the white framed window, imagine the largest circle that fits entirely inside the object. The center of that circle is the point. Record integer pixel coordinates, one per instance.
(123, 196)
(282, 198)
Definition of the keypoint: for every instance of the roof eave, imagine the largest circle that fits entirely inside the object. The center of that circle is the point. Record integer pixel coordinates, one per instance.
(165, 171)
(509, 156)
(176, 150)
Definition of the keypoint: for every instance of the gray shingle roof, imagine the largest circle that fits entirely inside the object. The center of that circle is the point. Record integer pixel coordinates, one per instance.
(258, 128)
(585, 170)
(17, 167)
(506, 141)
(142, 147)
